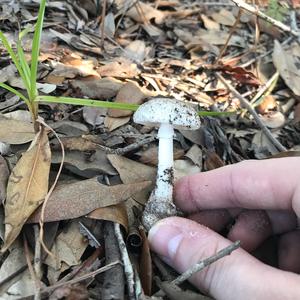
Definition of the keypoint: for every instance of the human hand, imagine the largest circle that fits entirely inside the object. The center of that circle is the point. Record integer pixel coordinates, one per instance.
(264, 197)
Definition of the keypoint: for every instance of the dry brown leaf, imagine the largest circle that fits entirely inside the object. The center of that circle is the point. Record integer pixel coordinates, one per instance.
(131, 172)
(4, 174)
(114, 123)
(27, 186)
(115, 213)
(95, 88)
(121, 68)
(143, 13)
(183, 168)
(224, 17)
(129, 93)
(150, 155)
(23, 284)
(137, 51)
(68, 247)
(213, 161)
(146, 271)
(209, 24)
(83, 164)
(78, 199)
(94, 115)
(77, 143)
(287, 68)
(16, 132)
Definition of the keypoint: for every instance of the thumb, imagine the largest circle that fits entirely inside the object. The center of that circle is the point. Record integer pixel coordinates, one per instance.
(182, 243)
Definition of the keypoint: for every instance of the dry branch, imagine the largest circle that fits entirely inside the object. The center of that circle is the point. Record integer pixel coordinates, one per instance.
(245, 103)
(253, 10)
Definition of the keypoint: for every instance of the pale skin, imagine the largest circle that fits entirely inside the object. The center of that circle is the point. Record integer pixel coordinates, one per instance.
(263, 197)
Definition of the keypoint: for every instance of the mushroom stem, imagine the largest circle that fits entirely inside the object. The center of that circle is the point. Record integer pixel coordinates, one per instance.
(165, 172)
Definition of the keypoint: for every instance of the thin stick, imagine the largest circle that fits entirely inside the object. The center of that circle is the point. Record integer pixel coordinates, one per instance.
(103, 22)
(41, 221)
(265, 17)
(129, 148)
(37, 261)
(232, 30)
(245, 103)
(206, 262)
(31, 270)
(129, 273)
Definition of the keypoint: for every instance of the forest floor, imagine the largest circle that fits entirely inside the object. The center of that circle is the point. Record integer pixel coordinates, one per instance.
(237, 64)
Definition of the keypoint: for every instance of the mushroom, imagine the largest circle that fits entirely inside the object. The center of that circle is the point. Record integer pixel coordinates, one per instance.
(167, 114)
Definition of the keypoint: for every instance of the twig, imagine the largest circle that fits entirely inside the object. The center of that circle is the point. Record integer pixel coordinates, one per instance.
(31, 270)
(113, 283)
(131, 147)
(201, 265)
(41, 221)
(274, 22)
(232, 30)
(129, 273)
(37, 261)
(206, 262)
(103, 22)
(245, 103)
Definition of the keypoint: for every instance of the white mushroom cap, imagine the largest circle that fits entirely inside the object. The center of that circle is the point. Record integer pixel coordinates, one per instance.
(165, 110)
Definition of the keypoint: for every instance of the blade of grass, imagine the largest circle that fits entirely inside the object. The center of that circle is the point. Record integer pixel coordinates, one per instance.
(216, 113)
(14, 59)
(23, 63)
(9, 88)
(36, 50)
(87, 102)
(114, 105)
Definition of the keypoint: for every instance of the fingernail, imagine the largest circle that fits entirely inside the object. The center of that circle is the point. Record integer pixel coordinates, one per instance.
(165, 239)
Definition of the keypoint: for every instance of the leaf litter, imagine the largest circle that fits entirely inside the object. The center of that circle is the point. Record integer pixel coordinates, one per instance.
(139, 50)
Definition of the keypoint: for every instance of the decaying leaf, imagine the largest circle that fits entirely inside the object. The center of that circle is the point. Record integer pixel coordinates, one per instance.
(129, 93)
(68, 247)
(146, 271)
(114, 123)
(183, 168)
(114, 213)
(120, 68)
(287, 68)
(85, 164)
(137, 51)
(4, 174)
(23, 283)
(94, 115)
(143, 13)
(16, 132)
(95, 88)
(131, 171)
(78, 199)
(27, 186)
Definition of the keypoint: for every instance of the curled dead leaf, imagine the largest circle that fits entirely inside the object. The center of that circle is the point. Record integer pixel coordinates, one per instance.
(27, 186)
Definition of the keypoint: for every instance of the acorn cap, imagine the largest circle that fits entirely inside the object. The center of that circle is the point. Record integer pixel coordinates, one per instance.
(165, 110)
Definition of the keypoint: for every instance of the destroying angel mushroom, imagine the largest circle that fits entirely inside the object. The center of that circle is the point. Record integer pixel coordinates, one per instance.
(167, 114)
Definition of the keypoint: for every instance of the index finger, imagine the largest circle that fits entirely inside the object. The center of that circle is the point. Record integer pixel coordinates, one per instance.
(267, 184)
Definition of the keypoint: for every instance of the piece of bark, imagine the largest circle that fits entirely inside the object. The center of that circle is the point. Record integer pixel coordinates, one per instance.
(113, 285)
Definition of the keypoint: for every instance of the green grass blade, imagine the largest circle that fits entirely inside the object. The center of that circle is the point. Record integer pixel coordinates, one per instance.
(14, 58)
(36, 49)
(9, 88)
(216, 113)
(88, 102)
(24, 65)
(115, 105)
